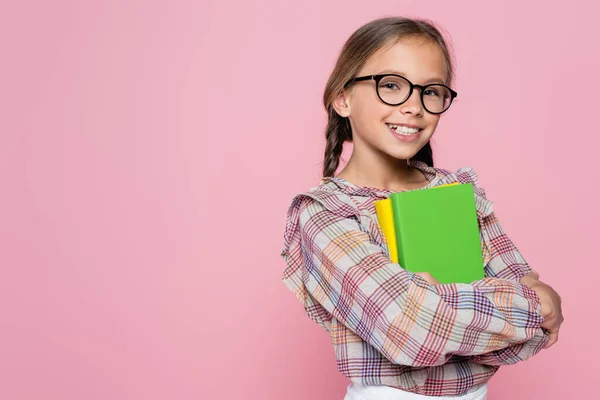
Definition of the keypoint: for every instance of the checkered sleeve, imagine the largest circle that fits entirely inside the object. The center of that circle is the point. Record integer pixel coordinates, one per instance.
(505, 260)
(407, 320)
(513, 353)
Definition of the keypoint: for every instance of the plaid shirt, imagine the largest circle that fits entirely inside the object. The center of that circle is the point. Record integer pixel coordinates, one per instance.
(389, 326)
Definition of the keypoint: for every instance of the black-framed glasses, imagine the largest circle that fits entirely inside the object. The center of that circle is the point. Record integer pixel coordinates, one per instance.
(394, 90)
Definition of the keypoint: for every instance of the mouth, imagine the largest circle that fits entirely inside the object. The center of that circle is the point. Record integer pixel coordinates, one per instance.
(405, 133)
(405, 129)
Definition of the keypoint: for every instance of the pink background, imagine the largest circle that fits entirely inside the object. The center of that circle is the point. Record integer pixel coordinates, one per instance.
(138, 137)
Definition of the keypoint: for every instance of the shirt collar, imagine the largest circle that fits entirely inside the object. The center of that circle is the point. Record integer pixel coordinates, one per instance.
(435, 176)
(349, 188)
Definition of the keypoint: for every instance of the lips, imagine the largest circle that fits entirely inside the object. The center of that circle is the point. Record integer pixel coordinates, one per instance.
(405, 134)
(404, 129)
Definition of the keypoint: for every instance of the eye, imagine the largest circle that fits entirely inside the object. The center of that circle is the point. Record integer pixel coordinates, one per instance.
(389, 86)
(437, 92)
(432, 92)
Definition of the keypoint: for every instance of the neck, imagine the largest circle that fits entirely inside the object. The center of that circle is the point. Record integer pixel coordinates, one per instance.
(380, 171)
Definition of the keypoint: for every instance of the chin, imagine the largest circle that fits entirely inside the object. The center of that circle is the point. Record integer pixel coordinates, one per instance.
(401, 155)
(404, 152)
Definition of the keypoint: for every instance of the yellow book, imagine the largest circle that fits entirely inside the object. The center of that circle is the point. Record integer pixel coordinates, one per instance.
(385, 217)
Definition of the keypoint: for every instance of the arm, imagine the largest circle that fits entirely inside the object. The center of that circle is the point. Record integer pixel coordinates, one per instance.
(505, 262)
(409, 321)
(508, 263)
(553, 319)
(513, 353)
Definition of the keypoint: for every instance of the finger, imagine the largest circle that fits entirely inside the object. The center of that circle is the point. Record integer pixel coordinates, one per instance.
(551, 323)
(535, 275)
(552, 339)
(423, 275)
(530, 279)
(428, 277)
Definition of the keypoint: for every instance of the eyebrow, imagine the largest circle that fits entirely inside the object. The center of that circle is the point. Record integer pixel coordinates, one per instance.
(392, 71)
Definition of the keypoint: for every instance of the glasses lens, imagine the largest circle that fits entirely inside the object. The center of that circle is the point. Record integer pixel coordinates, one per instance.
(436, 98)
(393, 89)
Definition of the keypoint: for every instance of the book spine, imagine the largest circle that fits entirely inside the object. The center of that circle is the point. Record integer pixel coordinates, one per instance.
(386, 222)
(396, 205)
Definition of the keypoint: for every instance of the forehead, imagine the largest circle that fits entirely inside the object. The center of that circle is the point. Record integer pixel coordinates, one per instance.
(418, 59)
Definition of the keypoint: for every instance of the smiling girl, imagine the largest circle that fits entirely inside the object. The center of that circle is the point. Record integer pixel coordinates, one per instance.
(397, 334)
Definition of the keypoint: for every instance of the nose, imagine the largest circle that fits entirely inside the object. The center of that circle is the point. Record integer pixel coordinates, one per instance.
(413, 105)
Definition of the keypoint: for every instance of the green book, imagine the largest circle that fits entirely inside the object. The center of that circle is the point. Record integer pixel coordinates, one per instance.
(437, 232)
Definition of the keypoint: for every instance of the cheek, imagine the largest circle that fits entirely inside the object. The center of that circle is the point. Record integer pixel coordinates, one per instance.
(367, 120)
(432, 121)
(368, 106)
(374, 111)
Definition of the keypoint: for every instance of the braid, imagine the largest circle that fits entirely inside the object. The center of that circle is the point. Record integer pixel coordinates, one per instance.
(425, 154)
(337, 132)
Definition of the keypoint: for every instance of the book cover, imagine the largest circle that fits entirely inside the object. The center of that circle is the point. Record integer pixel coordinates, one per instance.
(436, 231)
(385, 217)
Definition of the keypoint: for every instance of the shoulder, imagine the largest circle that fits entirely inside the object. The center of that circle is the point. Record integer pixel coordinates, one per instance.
(326, 196)
(441, 176)
(467, 175)
(462, 175)
(320, 201)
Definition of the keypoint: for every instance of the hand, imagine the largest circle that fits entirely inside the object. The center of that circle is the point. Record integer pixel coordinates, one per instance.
(429, 278)
(530, 279)
(551, 305)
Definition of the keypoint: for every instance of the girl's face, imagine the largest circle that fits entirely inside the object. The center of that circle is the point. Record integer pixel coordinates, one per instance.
(376, 126)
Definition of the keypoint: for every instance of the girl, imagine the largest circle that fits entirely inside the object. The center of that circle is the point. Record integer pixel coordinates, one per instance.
(397, 334)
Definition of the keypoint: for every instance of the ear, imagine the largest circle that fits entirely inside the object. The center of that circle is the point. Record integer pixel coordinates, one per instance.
(341, 104)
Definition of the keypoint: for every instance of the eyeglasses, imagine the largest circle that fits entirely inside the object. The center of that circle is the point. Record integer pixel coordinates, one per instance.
(394, 90)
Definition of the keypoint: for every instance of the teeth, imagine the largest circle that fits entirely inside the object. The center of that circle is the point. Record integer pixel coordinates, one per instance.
(404, 129)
